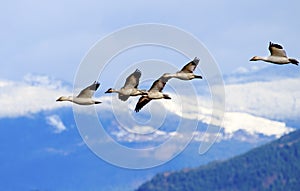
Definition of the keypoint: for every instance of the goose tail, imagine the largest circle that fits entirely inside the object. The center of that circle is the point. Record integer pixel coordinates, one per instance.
(294, 61)
(199, 77)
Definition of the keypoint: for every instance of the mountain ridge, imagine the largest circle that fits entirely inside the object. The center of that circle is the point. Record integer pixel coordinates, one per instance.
(273, 166)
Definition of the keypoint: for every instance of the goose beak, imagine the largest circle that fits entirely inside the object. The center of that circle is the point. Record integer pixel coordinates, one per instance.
(253, 59)
(109, 91)
(58, 99)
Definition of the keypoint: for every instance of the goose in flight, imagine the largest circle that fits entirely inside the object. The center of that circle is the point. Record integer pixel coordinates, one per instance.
(155, 92)
(278, 56)
(186, 73)
(84, 97)
(130, 87)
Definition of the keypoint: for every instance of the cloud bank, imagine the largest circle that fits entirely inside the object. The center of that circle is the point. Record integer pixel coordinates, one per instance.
(257, 108)
(278, 99)
(34, 94)
(260, 107)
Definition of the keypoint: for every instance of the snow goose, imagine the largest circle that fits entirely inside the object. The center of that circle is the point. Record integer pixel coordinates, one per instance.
(84, 97)
(130, 87)
(155, 92)
(278, 56)
(186, 73)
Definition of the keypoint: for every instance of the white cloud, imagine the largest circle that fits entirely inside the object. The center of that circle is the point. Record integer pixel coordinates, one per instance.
(256, 108)
(235, 121)
(277, 99)
(232, 123)
(55, 121)
(142, 129)
(245, 70)
(142, 134)
(32, 95)
(57, 151)
(241, 70)
(207, 137)
(243, 111)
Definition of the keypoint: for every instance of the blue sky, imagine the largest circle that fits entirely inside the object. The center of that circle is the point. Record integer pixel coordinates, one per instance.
(51, 37)
(44, 42)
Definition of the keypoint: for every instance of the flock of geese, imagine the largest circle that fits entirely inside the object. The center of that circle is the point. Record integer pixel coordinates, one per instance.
(130, 88)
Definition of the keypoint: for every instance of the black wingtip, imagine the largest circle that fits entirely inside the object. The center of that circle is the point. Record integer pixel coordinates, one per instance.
(137, 110)
(94, 86)
(97, 84)
(137, 73)
(271, 44)
(196, 60)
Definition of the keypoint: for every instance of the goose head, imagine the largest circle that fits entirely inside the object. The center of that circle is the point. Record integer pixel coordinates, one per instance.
(64, 98)
(255, 58)
(110, 90)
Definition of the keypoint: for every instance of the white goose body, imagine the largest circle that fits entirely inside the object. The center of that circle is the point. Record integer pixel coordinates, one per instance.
(130, 87)
(155, 92)
(127, 91)
(181, 76)
(187, 72)
(277, 56)
(78, 100)
(155, 95)
(84, 97)
(274, 59)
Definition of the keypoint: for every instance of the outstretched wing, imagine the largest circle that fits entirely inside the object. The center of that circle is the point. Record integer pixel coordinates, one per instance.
(123, 97)
(191, 66)
(276, 50)
(159, 84)
(89, 91)
(132, 81)
(141, 103)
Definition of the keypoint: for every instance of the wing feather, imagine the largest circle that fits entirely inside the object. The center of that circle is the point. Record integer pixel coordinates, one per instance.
(132, 81)
(89, 91)
(141, 103)
(159, 84)
(191, 66)
(276, 50)
(123, 97)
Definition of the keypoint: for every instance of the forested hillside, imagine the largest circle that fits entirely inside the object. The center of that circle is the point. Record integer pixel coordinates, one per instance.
(274, 166)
